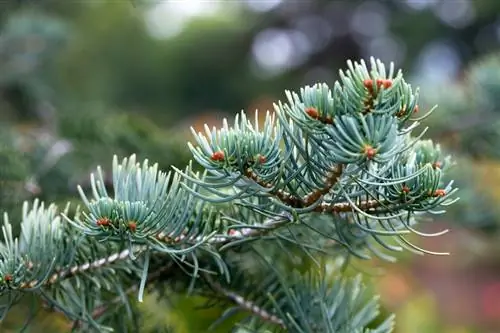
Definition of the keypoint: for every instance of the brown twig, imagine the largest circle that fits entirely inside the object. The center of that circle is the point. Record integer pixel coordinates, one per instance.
(244, 304)
(296, 202)
(344, 207)
(282, 195)
(331, 179)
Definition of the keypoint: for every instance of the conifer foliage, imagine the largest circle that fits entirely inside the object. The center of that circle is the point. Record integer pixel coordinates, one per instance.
(333, 173)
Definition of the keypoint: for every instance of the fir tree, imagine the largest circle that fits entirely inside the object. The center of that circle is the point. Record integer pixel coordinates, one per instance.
(334, 173)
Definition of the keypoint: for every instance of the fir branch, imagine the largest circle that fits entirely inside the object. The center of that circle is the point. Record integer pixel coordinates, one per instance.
(329, 166)
(219, 241)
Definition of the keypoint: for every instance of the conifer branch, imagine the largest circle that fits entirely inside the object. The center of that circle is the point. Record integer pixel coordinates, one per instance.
(82, 268)
(331, 165)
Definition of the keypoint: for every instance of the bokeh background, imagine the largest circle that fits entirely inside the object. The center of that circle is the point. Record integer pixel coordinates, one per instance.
(81, 80)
